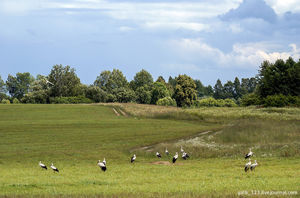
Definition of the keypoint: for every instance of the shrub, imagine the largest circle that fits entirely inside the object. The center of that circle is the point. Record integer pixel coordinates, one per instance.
(220, 103)
(229, 103)
(211, 102)
(294, 100)
(96, 94)
(16, 101)
(206, 102)
(123, 95)
(166, 101)
(3, 96)
(250, 99)
(70, 100)
(5, 101)
(276, 101)
(36, 97)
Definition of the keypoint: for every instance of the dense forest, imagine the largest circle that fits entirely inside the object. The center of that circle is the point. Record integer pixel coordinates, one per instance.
(276, 84)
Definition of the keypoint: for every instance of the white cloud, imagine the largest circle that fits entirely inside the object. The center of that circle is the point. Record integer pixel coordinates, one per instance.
(125, 29)
(177, 25)
(151, 15)
(19, 7)
(242, 55)
(282, 6)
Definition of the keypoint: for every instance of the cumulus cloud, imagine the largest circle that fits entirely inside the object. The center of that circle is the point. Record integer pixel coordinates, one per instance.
(241, 55)
(281, 6)
(251, 9)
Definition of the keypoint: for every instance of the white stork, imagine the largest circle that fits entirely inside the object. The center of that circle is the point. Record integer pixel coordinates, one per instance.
(102, 165)
(252, 167)
(175, 157)
(158, 155)
(247, 165)
(166, 151)
(185, 155)
(54, 168)
(181, 149)
(133, 158)
(250, 154)
(42, 165)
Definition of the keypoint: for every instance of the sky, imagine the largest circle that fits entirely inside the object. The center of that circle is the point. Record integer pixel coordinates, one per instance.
(205, 39)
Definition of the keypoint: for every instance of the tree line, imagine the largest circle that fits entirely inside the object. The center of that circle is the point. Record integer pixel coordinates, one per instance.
(278, 81)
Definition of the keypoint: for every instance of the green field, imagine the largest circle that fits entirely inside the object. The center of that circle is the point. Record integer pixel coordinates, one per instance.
(75, 137)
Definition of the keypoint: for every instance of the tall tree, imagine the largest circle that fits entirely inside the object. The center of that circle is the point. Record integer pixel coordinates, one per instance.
(228, 90)
(102, 80)
(142, 79)
(237, 88)
(65, 81)
(200, 88)
(143, 95)
(185, 91)
(2, 86)
(161, 79)
(218, 90)
(279, 78)
(116, 80)
(19, 85)
(159, 90)
(209, 91)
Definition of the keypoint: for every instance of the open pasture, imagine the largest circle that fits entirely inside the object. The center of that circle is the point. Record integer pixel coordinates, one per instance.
(74, 137)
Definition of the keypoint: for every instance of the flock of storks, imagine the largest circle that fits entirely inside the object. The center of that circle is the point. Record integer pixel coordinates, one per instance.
(184, 156)
(248, 165)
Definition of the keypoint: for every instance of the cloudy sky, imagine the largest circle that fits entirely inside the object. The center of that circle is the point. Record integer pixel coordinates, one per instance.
(206, 39)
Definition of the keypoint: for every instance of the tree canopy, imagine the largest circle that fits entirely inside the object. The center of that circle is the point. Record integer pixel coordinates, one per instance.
(276, 84)
(64, 81)
(185, 91)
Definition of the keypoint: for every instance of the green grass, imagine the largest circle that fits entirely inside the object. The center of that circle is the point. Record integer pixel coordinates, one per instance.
(74, 137)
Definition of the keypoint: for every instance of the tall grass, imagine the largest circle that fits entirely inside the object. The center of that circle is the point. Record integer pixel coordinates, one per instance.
(214, 114)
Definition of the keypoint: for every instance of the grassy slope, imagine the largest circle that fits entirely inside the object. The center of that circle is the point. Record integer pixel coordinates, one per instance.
(74, 137)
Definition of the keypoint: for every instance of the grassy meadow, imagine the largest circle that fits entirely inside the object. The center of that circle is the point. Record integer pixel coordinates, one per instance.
(74, 137)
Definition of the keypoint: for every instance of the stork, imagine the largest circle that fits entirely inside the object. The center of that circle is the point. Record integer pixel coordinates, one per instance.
(181, 149)
(133, 158)
(158, 155)
(48, 82)
(42, 165)
(185, 155)
(102, 165)
(175, 157)
(249, 154)
(54, 168)
(166, 151)
(247, 165)
(252, 167)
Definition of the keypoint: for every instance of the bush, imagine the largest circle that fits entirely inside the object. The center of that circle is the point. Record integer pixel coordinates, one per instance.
(70, 100)
(211, 102)
(16, 101)
(206, 102)
(96, 94)
(5, 101)
(123, 95)
(276, 101)
(229, 103)
(166, 101)
(294, 101)
(3, 96)
(251, 99)
(36, 97)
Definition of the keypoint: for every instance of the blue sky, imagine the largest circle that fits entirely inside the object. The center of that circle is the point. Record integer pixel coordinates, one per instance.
(206, 39)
